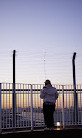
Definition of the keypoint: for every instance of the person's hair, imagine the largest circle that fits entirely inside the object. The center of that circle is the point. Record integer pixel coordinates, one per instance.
(47, 82)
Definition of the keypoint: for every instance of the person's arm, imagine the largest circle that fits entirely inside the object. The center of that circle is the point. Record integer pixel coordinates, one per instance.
(56, 95)
(42, 93)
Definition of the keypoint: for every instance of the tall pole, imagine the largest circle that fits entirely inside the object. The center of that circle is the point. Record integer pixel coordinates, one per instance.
(14, 94)
(14, 52)
(74, 77)
(75, 93)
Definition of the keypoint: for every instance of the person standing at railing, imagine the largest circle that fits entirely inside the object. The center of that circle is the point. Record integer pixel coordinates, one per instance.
(49, 95)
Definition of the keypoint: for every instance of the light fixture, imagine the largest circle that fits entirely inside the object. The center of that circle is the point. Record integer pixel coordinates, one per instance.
(58, 124)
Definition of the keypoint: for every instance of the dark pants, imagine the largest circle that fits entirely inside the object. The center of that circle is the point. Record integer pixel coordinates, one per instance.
(48, 111)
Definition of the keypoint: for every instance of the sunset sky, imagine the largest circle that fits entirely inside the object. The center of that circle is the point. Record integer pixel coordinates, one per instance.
(45, 34)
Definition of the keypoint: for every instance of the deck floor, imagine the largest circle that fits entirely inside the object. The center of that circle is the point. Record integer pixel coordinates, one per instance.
(63, 133)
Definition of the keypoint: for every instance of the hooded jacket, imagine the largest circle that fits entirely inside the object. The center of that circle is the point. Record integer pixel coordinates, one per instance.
(49, 94)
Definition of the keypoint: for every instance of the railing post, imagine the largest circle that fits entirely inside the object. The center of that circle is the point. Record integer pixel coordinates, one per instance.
(75, 108)
(14, 94)
(75, 93)
(14, 107)
(63, 115)
(0, 110)
(31, 109)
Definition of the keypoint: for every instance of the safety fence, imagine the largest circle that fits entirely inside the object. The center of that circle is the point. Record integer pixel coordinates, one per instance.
(21, 106)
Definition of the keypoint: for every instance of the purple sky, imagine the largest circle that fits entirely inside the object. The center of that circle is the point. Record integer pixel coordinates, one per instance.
(36, 27)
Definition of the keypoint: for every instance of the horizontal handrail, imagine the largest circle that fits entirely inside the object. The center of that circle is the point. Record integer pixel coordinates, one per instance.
(39, 90)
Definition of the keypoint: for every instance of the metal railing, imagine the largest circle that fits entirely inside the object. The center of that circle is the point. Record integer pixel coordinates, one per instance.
(28, 107)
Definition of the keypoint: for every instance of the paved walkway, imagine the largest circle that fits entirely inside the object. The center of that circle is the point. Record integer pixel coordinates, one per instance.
(64, 133)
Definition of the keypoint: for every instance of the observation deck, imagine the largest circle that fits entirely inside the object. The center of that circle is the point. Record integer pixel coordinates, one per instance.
(40, 133)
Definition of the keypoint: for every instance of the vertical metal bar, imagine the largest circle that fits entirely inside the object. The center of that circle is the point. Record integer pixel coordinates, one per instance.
(3, 105)
(26, 102)
(23, 105)
(14, 108)
(0, 111)
(20, 106)
(28, 108)
(14, 94)
(9, 105)
(31, 109)
(69, 108)
(75, 93)
(63, 115)
(77, 104)
(80, 104)
(38, 105)
(6, 106)
(57, 106)
(72, 105)
(59, 112)
(66, 104)
(34, 104)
